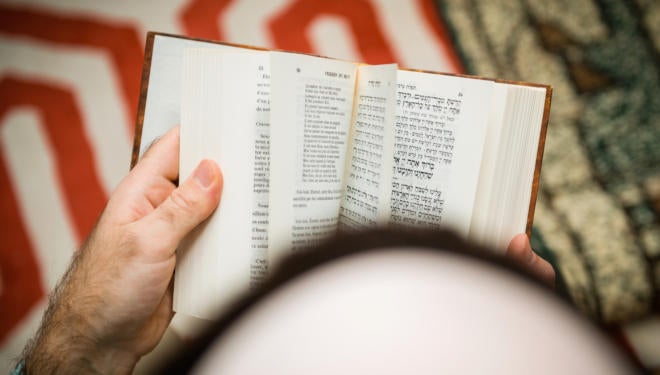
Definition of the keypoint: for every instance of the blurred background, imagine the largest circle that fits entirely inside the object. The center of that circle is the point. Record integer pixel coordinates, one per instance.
(70, 77)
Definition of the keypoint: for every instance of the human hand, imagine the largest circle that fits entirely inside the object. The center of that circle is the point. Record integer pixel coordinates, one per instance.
(115, 301)
(520, 251)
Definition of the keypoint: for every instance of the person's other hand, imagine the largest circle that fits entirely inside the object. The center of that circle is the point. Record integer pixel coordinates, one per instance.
(115, 301)
(520, 250)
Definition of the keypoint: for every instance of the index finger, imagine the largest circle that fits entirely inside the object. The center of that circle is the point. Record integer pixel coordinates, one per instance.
(150, 181)
(162, 157)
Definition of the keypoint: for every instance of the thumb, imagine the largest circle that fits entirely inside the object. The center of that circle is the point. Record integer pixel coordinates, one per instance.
(187, 206)
(520, 250)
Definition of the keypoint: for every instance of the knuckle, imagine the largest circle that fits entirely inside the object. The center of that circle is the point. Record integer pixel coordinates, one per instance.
(183, 204)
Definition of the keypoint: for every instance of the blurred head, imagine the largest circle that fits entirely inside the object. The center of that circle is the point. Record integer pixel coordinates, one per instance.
(402, 302)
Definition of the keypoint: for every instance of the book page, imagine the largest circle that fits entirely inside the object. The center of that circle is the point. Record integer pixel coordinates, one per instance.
(438, 140)
(488, 178)
(509, 162)
(368, 176)
(163, 101)
(311, 107)
(225, 118)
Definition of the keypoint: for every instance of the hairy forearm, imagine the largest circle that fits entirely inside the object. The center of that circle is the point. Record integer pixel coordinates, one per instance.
(66, 341)
(60, 351)
(115, 301)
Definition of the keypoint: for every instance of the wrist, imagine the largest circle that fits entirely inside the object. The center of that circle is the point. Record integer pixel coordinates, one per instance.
(50, 356)
(64, 348)
(110, 361)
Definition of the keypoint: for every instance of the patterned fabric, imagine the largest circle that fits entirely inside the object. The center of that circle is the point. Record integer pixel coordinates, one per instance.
(598, 212)
(69, 82)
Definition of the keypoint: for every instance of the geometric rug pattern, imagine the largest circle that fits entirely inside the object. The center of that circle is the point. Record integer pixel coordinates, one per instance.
(69, 83)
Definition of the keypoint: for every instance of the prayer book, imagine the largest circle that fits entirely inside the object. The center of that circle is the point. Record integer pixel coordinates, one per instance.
(311, 145)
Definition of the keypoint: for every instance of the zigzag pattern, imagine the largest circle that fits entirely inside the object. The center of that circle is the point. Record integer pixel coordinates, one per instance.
(69, 86)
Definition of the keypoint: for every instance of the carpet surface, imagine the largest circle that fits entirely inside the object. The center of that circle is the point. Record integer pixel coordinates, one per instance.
(598, 211)
(69, 84)
(70, 73)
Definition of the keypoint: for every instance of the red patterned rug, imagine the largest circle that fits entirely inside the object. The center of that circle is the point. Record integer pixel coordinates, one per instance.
(69, 82)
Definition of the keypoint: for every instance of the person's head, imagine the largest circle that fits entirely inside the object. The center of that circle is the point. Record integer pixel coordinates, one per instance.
(389, 301)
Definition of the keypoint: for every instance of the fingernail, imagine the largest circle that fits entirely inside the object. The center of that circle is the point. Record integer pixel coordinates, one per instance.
(204, 174)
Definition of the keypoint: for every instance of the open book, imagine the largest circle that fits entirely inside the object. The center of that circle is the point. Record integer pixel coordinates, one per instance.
(311, 145)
